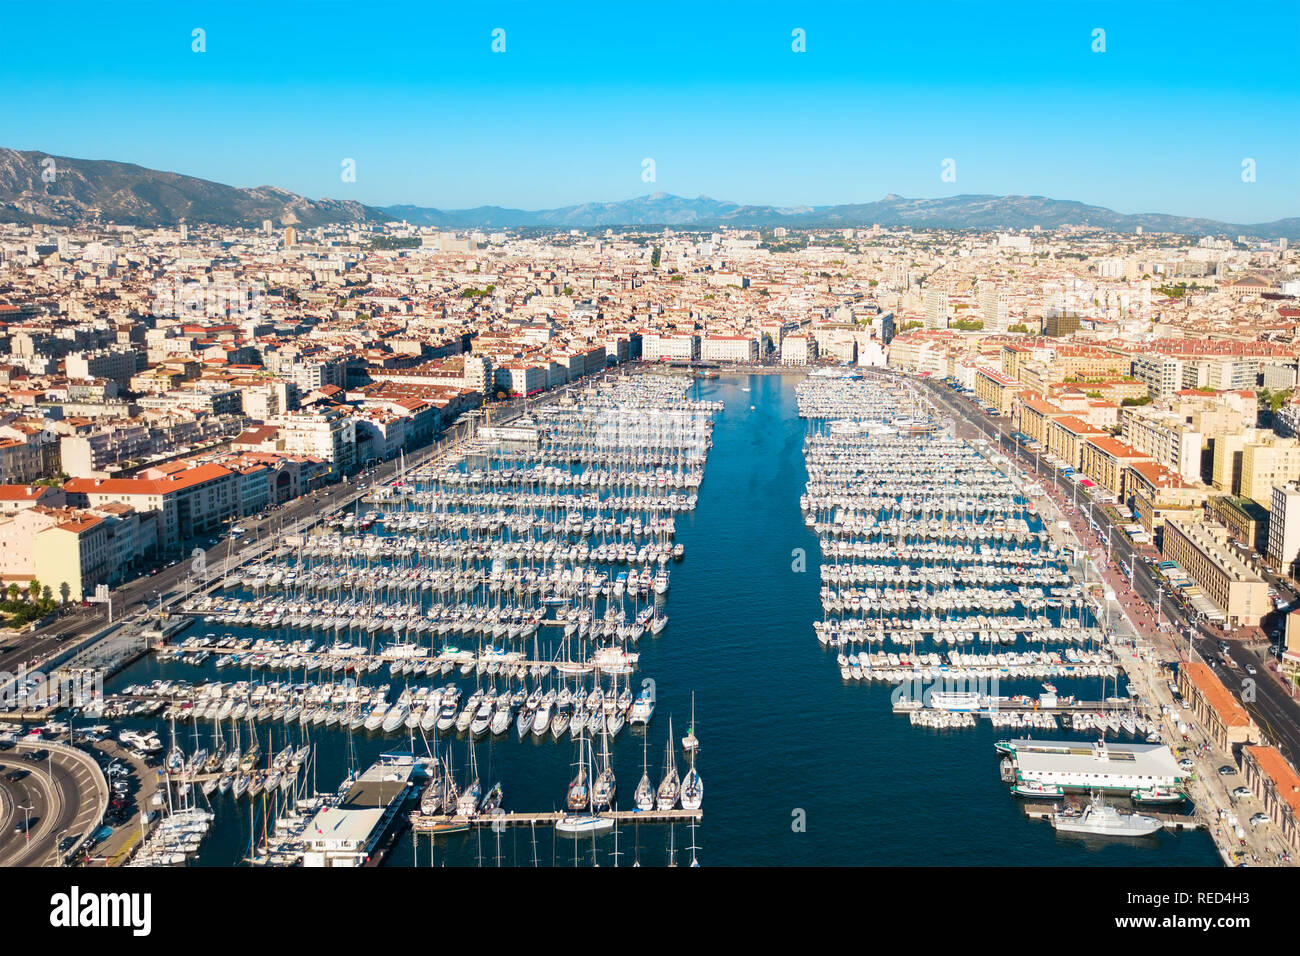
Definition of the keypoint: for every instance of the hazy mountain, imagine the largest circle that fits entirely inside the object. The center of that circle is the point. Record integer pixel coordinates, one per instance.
(953, 212)
(133, 195)
(124, 193)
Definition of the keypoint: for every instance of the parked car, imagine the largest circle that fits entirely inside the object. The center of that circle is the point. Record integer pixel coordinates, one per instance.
(1258, 818)
(1227, 770)
(1241, 792)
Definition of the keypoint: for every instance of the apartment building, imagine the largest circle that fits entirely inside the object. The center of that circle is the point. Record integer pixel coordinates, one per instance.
(1065, 438)
(1106, 461)
(1162, 374)
(1166, 437)
(728, 348)
(798, 350)
(56, 546)
(995, 389)
(1155, 494)
(1283, 548)
(325, 433)
(16, 498)
(663, 347)
(1244, 519)
(1268, 461)
(1203, 551)
(189, 500)
(115, 364)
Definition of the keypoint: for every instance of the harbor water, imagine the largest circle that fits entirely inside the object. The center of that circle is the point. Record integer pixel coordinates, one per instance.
(800, 766)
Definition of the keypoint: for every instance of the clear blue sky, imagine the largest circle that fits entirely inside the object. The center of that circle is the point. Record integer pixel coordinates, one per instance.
(1011, 91)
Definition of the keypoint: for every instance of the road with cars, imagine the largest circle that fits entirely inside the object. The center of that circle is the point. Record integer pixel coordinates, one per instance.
(157, 587)
(52, 798)
(1267, 701)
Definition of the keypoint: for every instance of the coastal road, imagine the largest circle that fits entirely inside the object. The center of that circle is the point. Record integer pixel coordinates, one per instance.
(1272, 706)
(61, 796)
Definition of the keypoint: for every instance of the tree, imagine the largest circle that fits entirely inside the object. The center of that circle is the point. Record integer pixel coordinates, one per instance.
(14, 590)
(654, 258)
(33, 589)
(46, 593)
(64, 592)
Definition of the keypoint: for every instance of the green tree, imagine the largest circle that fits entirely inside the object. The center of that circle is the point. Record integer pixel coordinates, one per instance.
(64, 592)
(654, 257)
(14, 590)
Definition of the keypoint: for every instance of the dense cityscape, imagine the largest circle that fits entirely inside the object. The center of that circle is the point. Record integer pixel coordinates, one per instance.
(451, 438)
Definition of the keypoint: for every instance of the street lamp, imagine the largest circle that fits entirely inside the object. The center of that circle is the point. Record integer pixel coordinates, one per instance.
(54, 850)
(27, 822)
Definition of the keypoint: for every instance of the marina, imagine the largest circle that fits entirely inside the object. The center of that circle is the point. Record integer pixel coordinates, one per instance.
(379, 633)
(940, 578)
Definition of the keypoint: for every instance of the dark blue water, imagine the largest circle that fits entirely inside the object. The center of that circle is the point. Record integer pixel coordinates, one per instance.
(798, 766)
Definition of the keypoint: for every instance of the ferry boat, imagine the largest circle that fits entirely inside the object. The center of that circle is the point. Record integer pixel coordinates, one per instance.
(1157, 796)
(349, 833)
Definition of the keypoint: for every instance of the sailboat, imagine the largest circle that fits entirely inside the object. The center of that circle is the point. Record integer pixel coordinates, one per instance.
(645, 790)
(602, 794)
(671, 784)
(693, 785)
(467, 805)
(582, 816)
(578, 797)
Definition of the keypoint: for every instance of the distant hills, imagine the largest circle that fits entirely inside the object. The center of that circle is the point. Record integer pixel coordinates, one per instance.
(133, 195)
(952, 212)
(84, 189)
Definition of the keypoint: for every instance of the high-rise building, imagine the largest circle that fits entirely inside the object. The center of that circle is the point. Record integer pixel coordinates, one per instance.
(1284, 527)
(936, 309)
(1056, 326)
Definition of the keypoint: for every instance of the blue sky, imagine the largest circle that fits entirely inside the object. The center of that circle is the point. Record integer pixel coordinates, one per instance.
(1160, 122)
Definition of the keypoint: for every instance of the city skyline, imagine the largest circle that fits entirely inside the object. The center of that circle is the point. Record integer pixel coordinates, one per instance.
(433, 117)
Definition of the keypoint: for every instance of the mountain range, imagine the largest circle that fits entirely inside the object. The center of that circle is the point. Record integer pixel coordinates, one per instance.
(84, 189)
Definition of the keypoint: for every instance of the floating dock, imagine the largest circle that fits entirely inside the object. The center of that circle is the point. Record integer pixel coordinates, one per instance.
(1171, 821)
(432, 823)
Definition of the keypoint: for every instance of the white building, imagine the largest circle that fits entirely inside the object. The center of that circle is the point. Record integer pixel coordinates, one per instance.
(1284, 527)
(728, 348)
(798, 350)
(670, 348)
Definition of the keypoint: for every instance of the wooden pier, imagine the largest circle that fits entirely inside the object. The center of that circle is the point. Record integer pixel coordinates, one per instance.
(451, 823)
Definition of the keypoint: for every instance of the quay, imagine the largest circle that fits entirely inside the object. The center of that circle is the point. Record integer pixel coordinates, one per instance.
(433, 822)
